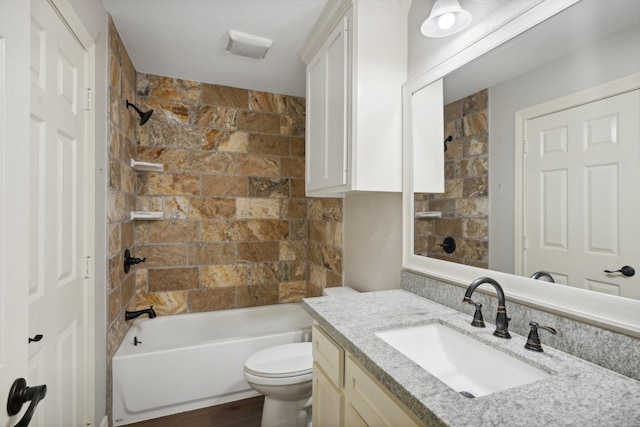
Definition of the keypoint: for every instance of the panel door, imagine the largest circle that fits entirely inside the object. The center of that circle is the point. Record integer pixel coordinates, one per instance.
(58, 220)
(581, 195)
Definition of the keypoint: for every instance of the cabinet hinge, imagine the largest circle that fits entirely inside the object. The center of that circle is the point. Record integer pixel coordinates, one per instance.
(87, 267)
(89, 100)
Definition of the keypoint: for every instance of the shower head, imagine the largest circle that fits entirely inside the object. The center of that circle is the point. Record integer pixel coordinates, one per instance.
(144, 116)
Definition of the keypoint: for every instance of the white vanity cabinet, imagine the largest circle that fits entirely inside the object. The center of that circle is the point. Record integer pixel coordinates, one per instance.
(345, 394)
(356, 59)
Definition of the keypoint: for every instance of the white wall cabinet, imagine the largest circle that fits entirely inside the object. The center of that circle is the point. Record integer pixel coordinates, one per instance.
(356, 58)
(345, 394)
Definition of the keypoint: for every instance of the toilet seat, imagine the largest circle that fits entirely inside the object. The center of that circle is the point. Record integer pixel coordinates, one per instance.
(281, 365)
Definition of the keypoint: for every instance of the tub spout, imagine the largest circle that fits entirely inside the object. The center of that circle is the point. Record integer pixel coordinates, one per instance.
(502, 321)
(128, 315)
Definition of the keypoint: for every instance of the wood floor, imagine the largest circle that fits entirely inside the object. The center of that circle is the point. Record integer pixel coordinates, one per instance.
(242, 413)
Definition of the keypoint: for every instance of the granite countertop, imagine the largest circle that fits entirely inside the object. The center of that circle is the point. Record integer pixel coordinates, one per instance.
(577, 393)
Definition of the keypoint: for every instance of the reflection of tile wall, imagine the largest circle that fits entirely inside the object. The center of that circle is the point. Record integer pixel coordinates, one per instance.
(235, 229)
(121, 140)
(465, 202)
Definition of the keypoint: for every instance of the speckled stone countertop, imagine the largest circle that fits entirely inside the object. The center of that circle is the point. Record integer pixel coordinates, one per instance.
(576, 393)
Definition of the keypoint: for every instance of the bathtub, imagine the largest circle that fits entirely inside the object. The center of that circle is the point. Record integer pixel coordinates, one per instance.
(178, 363)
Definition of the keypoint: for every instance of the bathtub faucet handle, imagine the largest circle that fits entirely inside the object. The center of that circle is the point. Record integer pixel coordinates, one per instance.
(129, 315)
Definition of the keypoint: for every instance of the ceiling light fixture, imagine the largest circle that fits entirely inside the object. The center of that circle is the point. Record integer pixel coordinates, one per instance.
(446, 18)
(247, 45)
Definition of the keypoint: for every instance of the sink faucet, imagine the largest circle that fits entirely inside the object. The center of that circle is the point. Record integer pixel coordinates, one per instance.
(128, 315)
(502, 321)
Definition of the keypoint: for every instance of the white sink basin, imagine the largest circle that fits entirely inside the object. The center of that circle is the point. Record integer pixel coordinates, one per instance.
(463, 363)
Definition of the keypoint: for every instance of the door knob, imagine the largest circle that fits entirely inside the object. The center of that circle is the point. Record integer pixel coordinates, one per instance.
(20, 394)
(626, 270)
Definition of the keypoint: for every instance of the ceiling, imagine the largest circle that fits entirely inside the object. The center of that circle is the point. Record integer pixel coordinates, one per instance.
(186, 39)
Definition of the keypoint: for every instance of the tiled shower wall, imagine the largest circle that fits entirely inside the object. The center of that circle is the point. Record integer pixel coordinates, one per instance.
(465, 202)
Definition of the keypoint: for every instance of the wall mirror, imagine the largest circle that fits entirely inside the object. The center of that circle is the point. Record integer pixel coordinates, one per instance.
(485, 85)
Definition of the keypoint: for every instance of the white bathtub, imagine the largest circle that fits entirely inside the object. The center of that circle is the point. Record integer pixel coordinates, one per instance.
(190, 361)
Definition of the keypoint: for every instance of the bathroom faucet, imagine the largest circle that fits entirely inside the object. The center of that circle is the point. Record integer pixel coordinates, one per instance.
(502, 321)
(128, 315)
(543, 275)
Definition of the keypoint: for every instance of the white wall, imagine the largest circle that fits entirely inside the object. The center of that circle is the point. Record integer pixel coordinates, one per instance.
(372, 235)
(615, 57)
(94, 18)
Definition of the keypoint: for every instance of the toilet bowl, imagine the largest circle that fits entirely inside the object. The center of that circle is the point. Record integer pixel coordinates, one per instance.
(282, 373)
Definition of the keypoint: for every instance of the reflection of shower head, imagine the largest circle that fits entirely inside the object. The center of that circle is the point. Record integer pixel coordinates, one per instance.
(143, 116)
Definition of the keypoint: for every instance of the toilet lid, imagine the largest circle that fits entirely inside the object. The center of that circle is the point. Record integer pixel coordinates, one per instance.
(285, 360)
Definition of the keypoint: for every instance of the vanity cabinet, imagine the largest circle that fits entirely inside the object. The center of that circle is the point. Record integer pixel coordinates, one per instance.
(346, 394)
(356, 58)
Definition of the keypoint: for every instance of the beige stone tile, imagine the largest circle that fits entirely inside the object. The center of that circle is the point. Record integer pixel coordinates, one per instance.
(294, 208)
(224, 231)
(259, 165)
(212, 208)
(275, 145)
(173, 160)
(472, 167)
(175, 207)
(176, 89)
(292, 250)
(479, 101)
(163, 303)
(267, 229)
(318, 231)
(173, 231)
(168, 184)
(166, 111)
(225, 96)
(317, 280)
(115, 209)
(237, 142)
(333, 235)
(212, 253)
(475, 123)
(114, 304)
(476, 187)
(292, 126)
(265, 273)
(293, 167)
(115, 181)
(267, 102)
(173, 279)
(258, 208)
(257, 251)
(212, 162)
(297, 147)
(476, 229)
(292, 291)
(268, 187)
(214, 276)
(298, 229)
(453, 111)
(126, 235)
(314, 209)
(259, 122)
(332, 209)
(115, 271)
(163, 255)
(251, 296)
(214, 117)
(297, 188)
(298, 270)
(476, 144)
(449, 227)
(142, 280)
(114, 239)
(200, 300)
(332, 258)
(224, 186)
(170, 135)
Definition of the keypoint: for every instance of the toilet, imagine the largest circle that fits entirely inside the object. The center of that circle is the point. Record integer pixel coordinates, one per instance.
(284, 375)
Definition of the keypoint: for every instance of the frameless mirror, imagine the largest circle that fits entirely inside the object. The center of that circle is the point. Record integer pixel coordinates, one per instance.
(585, 46)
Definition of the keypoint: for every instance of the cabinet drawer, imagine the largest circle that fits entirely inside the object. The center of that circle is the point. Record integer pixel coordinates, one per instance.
(369, 403)
(328, 355)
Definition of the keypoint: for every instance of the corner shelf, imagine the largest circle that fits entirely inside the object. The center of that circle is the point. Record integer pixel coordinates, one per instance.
(147, 166)
(428, 214)
(146, 215)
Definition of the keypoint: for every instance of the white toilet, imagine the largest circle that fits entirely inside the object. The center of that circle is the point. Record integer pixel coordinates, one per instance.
(283, 373)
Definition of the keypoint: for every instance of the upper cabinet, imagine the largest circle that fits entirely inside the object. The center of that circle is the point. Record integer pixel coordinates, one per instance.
(356, 57)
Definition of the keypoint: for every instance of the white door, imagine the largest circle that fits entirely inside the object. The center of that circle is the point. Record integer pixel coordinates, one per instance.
(582, 171)
(59, 217)
(48, 216)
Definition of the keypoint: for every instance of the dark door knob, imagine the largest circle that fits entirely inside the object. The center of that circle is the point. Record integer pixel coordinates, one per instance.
(20, 394)
(626, 270)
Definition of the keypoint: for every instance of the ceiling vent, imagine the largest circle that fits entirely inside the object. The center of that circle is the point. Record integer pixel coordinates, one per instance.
(247, 45)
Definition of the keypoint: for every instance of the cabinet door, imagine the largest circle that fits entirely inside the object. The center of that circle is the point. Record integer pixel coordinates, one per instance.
(327, 112)
(328, 401)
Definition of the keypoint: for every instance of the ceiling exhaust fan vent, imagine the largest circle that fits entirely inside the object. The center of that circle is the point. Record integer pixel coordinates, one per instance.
(247, 45)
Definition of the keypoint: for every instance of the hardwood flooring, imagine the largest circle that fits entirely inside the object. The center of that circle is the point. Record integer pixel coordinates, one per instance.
(242, 413)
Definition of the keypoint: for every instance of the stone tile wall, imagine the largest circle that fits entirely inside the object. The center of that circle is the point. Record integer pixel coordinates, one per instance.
(325, 244)
(235, 232)
(122, 147)
(465, 202)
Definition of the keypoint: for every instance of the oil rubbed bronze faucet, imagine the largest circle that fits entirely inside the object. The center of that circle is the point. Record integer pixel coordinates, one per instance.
(129, 315)
(502, 321)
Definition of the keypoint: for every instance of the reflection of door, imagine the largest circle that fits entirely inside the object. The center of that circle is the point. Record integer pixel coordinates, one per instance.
(59, 218)
(582, 170)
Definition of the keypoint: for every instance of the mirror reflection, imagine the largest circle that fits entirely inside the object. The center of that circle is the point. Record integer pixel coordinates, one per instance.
(587, 45)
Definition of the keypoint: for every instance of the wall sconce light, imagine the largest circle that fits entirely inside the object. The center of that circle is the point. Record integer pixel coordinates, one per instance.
(446, 18)
(144, 116)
